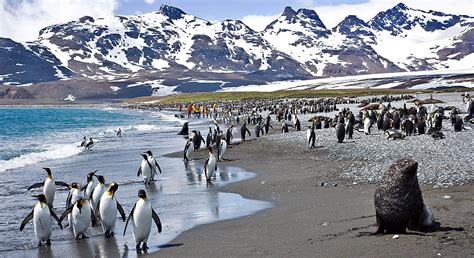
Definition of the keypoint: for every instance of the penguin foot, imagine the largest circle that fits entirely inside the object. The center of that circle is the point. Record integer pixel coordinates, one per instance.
(48, 242)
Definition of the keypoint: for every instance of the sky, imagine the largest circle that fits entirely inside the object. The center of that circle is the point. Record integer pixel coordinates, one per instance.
(21, 20)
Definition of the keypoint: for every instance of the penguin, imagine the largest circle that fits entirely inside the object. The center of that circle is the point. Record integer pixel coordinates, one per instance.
(458, 124)
(42, 221)
(83, 143)
(96, 194)
(188, 149)
(258, 129)
(243, 131)
(318, 124)
(340, 131)
(108, 207)
(209, 138)
(89, 144)
(221, 149)
(146, 169)
(297, 124)
(200, 140)
(367, 123)
(267, 124)
(49, 187)
(380, 121)
(210, 166)
(311, 136)
(72, 197)
(228, 135)
(142, 215)
(82, 215)
(155, 164)
(89, 187)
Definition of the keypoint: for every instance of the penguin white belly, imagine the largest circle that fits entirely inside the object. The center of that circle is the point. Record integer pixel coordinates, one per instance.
(223, 149)
(308, 135)
(96, 195)
(74, 197)
(146, 171)
(81, 220)
(42, 222)
(189, 151)
(211, 166)
(366, 125)
(142, 218)
(108, 212)
(49, 190)
(89, 188)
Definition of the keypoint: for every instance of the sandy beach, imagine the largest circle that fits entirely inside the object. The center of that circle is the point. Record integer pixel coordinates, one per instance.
(310, 220)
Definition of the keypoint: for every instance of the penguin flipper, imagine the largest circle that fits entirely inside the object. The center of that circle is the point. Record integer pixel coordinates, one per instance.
(65, 213)
(157, 220)
(93, 218)
(139, 171)
(121, 211)
(60, 183)
(35, 185)
(68, 200)
(158, 166)
(26, 220)
(128, 219)
(55, 217)
(97, 209)
(149, 165)
(205, 168)
(92, 192)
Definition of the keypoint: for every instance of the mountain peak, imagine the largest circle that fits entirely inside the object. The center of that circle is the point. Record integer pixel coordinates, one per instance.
(401, 6)
(353, 26)
(171, 11)
(289, 12)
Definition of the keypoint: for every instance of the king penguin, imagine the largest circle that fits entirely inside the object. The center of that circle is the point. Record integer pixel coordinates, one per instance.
(42, 221)
(210, 166)
(154, 163)
(108, 207)
(311, 136)
(99, 189)
(188, 149)
(222, 148)
(89, 187)
(71, 199)
(49, 187)
(82, 215)
(142, 215)
(145, 170)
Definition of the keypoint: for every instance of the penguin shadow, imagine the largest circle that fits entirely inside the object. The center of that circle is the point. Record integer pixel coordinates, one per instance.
(152, 187)
(45, 252)
(170, 245)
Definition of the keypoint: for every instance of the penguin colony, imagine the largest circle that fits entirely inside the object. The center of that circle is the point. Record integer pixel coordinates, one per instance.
(89, 204)
(94, 204)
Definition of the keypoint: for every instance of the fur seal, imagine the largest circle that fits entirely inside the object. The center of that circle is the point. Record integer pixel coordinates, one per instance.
(184, 129)
(398, 201)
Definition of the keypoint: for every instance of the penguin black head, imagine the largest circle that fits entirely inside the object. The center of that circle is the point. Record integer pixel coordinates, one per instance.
(100, 178)
(80, 203)
(48, 170)
(113, 188)
(145, 157)
(90, 175)
(210, 149)
(149, 153)
(41, 198)
(142, 194)
(74, 185)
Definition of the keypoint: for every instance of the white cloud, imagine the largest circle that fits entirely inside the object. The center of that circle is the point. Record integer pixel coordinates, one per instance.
(150, 1)
(25, 18)
(331, 15)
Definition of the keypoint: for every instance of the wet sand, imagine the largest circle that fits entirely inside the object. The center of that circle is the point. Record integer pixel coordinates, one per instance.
(310, 220)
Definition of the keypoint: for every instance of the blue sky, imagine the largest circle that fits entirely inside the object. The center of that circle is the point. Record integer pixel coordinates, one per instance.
(225, 9)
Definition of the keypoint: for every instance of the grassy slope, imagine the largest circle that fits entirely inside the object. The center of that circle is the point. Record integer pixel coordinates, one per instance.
(217, 96)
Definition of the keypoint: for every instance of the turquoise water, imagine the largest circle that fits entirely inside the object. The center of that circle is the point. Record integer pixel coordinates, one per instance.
(32, 138)
(27, 130)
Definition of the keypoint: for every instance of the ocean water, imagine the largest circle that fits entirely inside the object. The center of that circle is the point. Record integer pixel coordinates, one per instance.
(32, 138)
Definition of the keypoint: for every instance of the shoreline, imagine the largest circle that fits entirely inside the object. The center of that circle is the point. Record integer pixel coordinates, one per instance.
(313, 220)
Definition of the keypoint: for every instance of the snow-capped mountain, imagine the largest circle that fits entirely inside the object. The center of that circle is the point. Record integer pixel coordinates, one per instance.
(170, 48)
